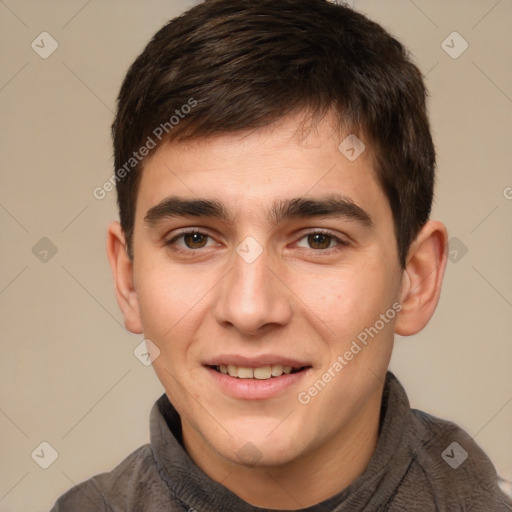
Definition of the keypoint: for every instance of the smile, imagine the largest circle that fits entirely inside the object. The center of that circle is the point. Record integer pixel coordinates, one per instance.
(260, 373)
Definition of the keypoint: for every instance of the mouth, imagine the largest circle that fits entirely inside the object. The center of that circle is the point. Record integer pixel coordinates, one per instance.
(256, 377)
(265, 372)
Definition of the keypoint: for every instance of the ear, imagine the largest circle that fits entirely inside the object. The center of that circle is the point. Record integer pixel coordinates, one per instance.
(422, 278)
(122, 272)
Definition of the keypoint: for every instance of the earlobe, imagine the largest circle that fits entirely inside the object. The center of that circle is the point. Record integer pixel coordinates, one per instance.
(122, 272)
(422, 278)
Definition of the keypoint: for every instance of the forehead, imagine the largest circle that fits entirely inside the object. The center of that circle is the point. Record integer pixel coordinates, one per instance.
(256, 169)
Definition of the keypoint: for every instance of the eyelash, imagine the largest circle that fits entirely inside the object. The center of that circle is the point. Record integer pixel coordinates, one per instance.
(339, 243)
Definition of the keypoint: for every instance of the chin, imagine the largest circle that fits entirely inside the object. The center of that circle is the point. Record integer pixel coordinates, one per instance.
(261, 451)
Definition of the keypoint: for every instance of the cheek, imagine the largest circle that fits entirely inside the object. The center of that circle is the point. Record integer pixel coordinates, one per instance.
(343, 297)
(167, 301)
(347, 303)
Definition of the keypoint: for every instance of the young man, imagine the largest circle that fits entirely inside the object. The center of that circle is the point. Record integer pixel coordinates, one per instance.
(275, 170)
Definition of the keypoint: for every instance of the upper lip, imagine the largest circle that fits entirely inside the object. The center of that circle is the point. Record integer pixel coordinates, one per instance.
(254, 362)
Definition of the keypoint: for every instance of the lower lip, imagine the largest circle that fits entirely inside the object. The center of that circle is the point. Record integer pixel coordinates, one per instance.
(255, 389)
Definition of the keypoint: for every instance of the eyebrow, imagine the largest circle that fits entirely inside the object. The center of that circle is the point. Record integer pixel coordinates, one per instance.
(331, 206)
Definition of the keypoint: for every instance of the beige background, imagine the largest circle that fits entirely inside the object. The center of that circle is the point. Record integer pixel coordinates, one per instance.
(67, 372)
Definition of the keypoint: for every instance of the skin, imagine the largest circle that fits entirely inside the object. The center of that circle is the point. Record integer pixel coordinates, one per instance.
(297, 299)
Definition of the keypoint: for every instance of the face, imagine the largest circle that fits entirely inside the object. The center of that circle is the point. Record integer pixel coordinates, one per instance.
(254, 253)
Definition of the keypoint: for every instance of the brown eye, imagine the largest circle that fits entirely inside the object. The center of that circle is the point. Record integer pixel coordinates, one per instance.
(195, 240)
(319, 241)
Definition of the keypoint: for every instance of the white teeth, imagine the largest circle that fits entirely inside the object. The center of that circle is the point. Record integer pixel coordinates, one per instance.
(260, 373)
(277, 370)
(245, 373)
(265, 372)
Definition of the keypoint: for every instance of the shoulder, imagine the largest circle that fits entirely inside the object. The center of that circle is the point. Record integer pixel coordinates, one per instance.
(457, 471)
(124, 486)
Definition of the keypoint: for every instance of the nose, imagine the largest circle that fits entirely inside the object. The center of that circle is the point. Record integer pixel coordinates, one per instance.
(251, 297)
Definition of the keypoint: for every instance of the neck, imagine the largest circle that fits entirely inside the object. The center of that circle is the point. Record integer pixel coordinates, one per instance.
(316, 475)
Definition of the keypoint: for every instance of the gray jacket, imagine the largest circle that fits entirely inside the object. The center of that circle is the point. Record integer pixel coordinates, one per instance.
(421, 464)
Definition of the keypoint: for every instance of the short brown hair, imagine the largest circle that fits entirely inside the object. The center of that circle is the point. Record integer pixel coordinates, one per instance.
(246, 63)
